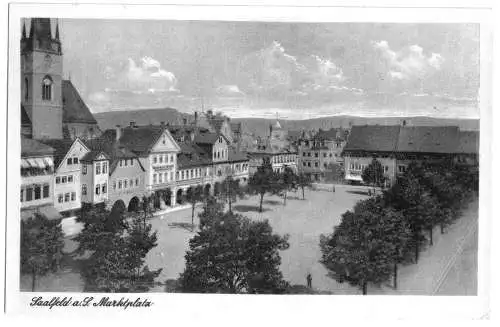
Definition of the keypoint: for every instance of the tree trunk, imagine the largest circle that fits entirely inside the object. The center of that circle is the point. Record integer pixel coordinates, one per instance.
(192, 214)
(303, 196)
(395, 276)
(365, 288)
(430, 235)
(33, 279)
(284, 202)
(261, 199)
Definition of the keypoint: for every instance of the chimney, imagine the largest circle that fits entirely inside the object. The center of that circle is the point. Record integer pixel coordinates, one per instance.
(118, 132)
(132, 123)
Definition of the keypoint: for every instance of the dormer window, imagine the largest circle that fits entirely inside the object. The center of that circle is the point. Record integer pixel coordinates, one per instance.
(47, 88)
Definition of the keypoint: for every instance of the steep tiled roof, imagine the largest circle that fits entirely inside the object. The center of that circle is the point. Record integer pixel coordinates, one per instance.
(207, 138)
(235, 156)
(61, 148)
(192, 155)
(468, 142)
(92, 155)
(331, 134)
(33, 148)
(114, 150)
(141, 139)
(373, 138)
(428, 139)
(74, 109)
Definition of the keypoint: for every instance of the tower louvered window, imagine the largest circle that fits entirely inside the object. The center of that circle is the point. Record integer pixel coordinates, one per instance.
(47, 88)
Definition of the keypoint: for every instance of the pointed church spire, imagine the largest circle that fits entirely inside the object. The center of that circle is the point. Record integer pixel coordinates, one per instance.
(24, 30)
(57, 31)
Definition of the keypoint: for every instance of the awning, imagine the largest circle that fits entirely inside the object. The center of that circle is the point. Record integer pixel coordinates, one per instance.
(32, 162)
(25, 163)
(48, 162)
(40, 163)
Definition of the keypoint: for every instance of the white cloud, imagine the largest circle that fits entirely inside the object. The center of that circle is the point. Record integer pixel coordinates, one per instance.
(149, 76)
(410, 62)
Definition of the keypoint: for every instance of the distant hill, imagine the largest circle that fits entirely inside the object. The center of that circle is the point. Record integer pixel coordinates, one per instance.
(110, 119)
(260, 126)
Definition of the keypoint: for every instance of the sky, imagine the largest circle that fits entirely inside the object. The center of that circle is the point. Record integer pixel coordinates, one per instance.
(258, 69)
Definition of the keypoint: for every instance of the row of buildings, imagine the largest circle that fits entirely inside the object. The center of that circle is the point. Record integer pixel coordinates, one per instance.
(67, 161)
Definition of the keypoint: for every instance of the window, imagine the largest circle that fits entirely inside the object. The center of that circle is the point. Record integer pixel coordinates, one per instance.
(121, 163)
(22, 195)
(104, 188)
(401, 169)
(104, 167)
(131, 162)
(316, 154)
(154, 178)
(98, 168)
(192, 173)
(137, 182)
(386, 168)
(154, 159)
(182, 175)
(316, 164)
(114, 185)
(125, 183)
(26, 89)
(309, 164)
(70, 179)
(324, 165)
(120, 185)
(126, 162)
(84, 170)
(69, 161)
(97, 189)
(304, 163)
(47, 88)
(58, 180)
(160, 178)
(171, 176)
(309, 154)
(75, 161)
(177, 175)
(60, 198)
(161, 159)
(171, 158)
(29, 194)
(64, 179)
(324, 155)
(66, 197)
(45, 191)
(84, 189)
(164, 140)
(73, 196)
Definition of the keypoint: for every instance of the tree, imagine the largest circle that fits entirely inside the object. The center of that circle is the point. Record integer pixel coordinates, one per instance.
(263, 181)
(41, 246)
(374, 174)
(146, 207)
(304, 181)
(231, 191)
(233, 254)
(353, 253)
(193, 196)
(114, 254)
(288, 181)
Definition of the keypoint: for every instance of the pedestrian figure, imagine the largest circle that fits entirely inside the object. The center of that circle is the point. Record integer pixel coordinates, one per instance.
(309, 280)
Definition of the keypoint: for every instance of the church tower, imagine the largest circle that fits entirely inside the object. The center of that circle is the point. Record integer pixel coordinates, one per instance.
(41, 79)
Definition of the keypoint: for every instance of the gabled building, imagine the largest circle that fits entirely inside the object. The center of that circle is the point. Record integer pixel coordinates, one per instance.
(37, 175)
(127, 176)
(67, 172)
(95, 177)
